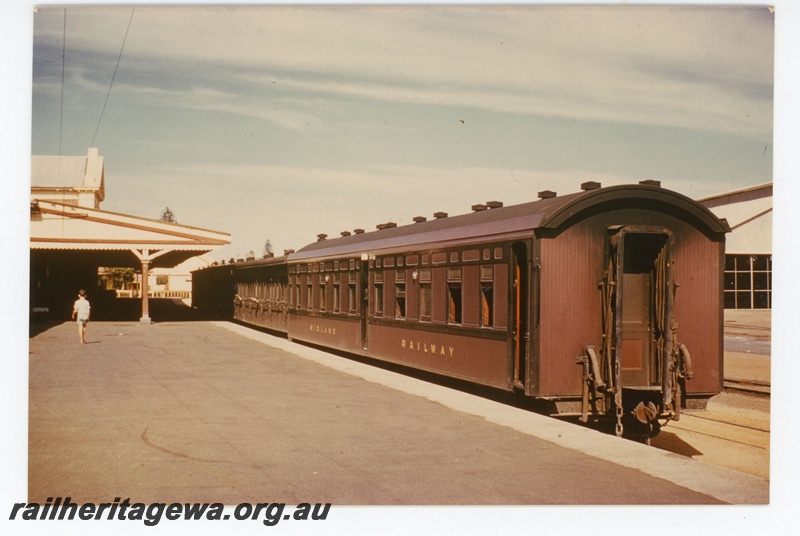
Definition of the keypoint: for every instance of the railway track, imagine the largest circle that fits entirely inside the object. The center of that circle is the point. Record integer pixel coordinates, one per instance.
(733, 432)
(751, 387)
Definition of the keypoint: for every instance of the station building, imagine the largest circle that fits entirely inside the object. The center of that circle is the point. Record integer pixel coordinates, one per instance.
(71, 238)
(748, 247)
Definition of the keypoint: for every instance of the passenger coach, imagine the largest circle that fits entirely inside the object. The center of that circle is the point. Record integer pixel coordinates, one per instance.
(605, 303)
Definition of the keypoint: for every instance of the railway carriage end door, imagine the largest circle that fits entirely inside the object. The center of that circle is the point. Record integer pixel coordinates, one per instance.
(520, 311)
(643, 307)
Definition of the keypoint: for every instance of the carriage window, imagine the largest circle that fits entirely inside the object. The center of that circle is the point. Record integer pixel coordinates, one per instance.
(400, 294)
(336, 294)
(454, 296)
(425, 302)
(309, 296)
(487, 295)
(322, 295)
(454, 303)
(471, 255)
(400, 300)
(379, 299)
(425, 295)
(487, 303)
(351, 298)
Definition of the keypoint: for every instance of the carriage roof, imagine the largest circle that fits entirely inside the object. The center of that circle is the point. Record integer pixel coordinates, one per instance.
(545, 217)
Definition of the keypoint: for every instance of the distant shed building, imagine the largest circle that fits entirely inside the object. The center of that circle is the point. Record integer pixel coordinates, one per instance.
(748, 248)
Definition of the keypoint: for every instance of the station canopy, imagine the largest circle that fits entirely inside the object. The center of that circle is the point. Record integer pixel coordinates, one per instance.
(111, 239)
(66, 220)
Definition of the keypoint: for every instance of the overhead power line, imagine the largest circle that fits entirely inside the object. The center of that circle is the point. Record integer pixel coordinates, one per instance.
(63, 62)
(113, 77)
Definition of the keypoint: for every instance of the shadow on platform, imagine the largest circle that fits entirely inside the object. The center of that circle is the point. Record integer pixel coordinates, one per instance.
(121, 310)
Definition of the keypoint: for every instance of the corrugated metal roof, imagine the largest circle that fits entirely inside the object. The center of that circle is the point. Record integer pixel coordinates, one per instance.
(738, 196)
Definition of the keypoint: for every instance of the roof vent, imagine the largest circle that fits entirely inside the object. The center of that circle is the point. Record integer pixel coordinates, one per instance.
(590, 185)
(478, 208)
(321, 237)
(345, 233)
(547, 194)
(358, 231)
(657, 184)
(420, 219)
(389, 225)
(439, 215)
(494, 204)
(287, 251)
(380, 226)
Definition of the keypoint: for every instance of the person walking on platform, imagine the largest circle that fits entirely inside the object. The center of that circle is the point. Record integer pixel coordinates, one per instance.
(80, 311)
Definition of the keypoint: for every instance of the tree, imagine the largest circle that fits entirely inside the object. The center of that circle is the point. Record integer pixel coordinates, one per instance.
(119, 277)
(168, 216)
(267, 249)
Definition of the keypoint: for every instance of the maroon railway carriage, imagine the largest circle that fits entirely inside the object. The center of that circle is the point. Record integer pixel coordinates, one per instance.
(261, 293)
(253, 292)
(606, 302)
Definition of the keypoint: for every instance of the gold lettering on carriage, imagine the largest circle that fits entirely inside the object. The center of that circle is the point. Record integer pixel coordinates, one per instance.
(325, 330)
(426, 348)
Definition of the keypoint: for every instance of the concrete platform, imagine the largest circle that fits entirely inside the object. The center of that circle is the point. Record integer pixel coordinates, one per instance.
(203, 411)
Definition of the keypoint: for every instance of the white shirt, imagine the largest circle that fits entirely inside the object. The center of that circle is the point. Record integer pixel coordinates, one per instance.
(82, 307)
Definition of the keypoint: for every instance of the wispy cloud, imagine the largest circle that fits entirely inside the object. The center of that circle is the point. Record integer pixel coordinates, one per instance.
(291, 204)
(577, 63)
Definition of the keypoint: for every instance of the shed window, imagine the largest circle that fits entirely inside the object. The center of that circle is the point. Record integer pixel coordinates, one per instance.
(748, 282)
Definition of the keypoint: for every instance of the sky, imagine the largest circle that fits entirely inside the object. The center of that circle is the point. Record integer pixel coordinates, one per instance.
(282, 123)
(288, 122)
